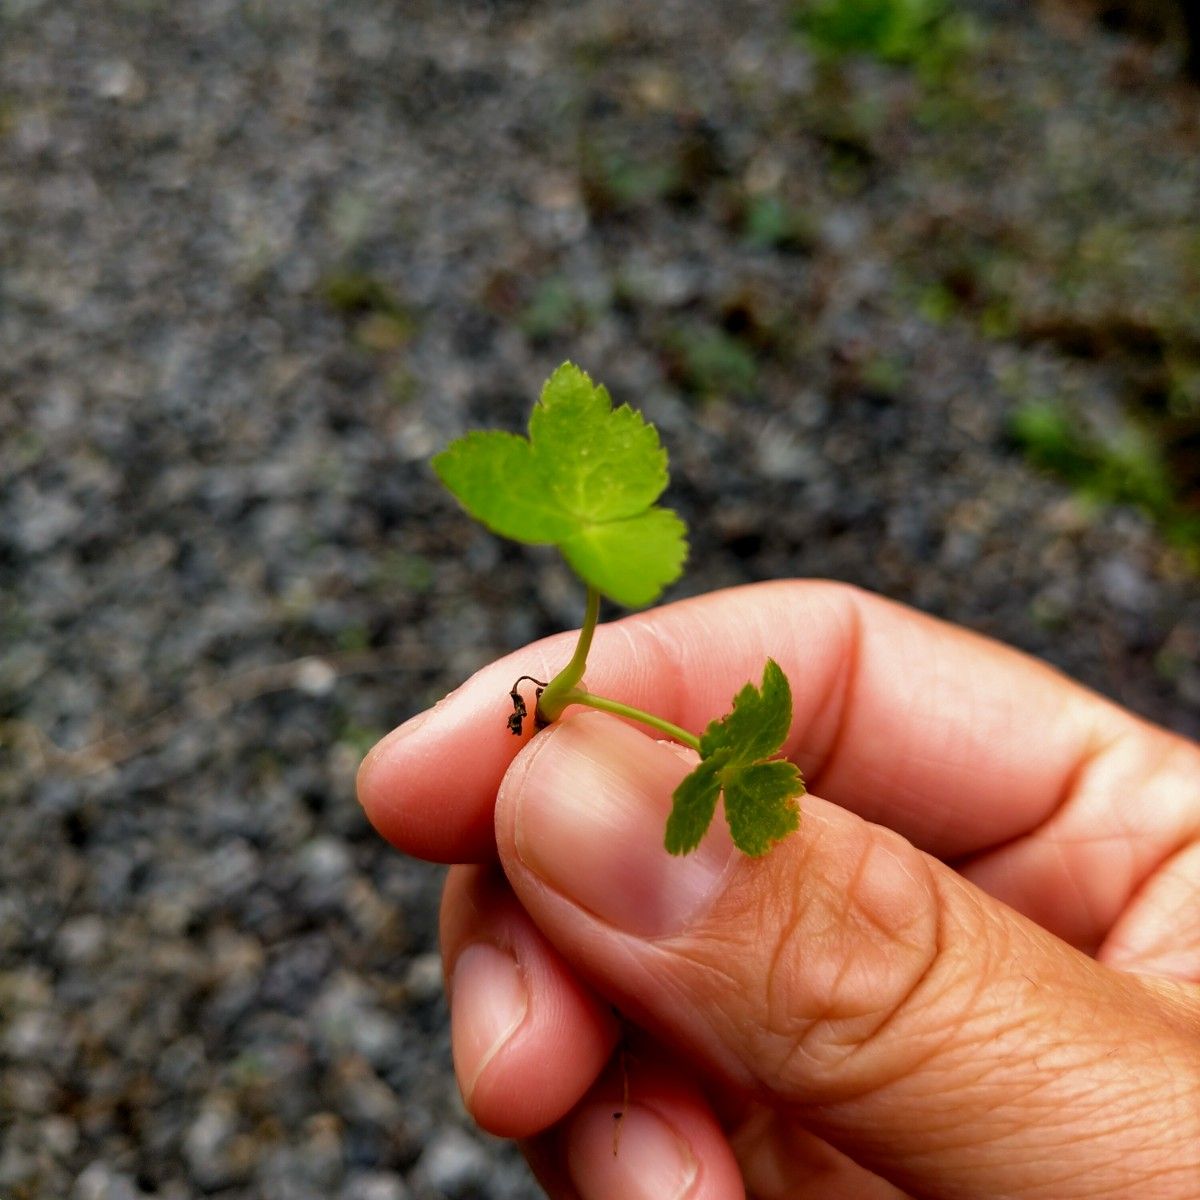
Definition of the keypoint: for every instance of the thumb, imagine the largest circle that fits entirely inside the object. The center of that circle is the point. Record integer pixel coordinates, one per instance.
(935, 1035)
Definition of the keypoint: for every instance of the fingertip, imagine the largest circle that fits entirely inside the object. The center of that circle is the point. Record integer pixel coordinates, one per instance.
(374, 771)
(538, 1075)
(528, 1038)
(629, 1152)
(491, 1005)
(649, 1135)
(419, 785)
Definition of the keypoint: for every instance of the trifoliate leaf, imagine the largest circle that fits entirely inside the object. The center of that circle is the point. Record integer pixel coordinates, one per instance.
(695, 801)
(736, 762)
(630, 560)
(760, 803)
(758, 722)
(493, 474)
(586, 479)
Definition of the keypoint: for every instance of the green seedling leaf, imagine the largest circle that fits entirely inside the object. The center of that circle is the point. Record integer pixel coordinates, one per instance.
(586, 479)
(736, 761)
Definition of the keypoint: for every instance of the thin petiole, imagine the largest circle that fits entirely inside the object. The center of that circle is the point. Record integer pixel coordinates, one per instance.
(564, 689)
(604, 704)
(551, 702)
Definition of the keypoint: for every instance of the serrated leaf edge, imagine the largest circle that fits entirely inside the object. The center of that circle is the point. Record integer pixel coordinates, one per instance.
(712, 758)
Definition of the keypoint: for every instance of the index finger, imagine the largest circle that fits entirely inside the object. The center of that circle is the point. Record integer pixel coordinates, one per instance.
(955, 741)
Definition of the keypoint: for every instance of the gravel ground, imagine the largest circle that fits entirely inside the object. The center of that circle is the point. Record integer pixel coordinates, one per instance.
(258, 261)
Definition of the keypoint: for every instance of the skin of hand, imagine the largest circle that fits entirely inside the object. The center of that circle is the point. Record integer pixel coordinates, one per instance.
(974, 971)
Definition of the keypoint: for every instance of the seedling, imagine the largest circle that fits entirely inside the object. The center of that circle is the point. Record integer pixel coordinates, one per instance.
(587, 480)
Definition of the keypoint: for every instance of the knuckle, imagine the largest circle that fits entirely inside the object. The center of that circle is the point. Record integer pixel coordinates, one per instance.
(851, 980)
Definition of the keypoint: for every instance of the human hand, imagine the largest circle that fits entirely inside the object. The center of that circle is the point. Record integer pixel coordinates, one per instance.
(973, 972)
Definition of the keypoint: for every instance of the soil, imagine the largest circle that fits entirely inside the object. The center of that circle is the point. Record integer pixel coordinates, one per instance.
(258, 261)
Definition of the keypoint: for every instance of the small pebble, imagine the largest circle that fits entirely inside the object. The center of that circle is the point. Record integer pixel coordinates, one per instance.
(453, 1162)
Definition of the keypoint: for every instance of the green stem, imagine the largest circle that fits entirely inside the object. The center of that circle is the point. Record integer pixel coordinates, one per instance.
(604, 704)
(553, 699)
(564, 689)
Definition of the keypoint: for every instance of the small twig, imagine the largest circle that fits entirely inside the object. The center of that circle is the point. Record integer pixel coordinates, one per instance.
(619, 1116)
(516, 722)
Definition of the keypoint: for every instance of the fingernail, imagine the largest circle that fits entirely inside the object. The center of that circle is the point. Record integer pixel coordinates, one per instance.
(488, 1003)
(591, 813)
(633, 1154)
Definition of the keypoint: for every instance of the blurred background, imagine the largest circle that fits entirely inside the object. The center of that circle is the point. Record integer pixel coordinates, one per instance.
(912, 290)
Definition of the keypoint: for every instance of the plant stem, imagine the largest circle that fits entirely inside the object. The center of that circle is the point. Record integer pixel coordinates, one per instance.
(604, 704)
(564, 689)
(553, 699)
